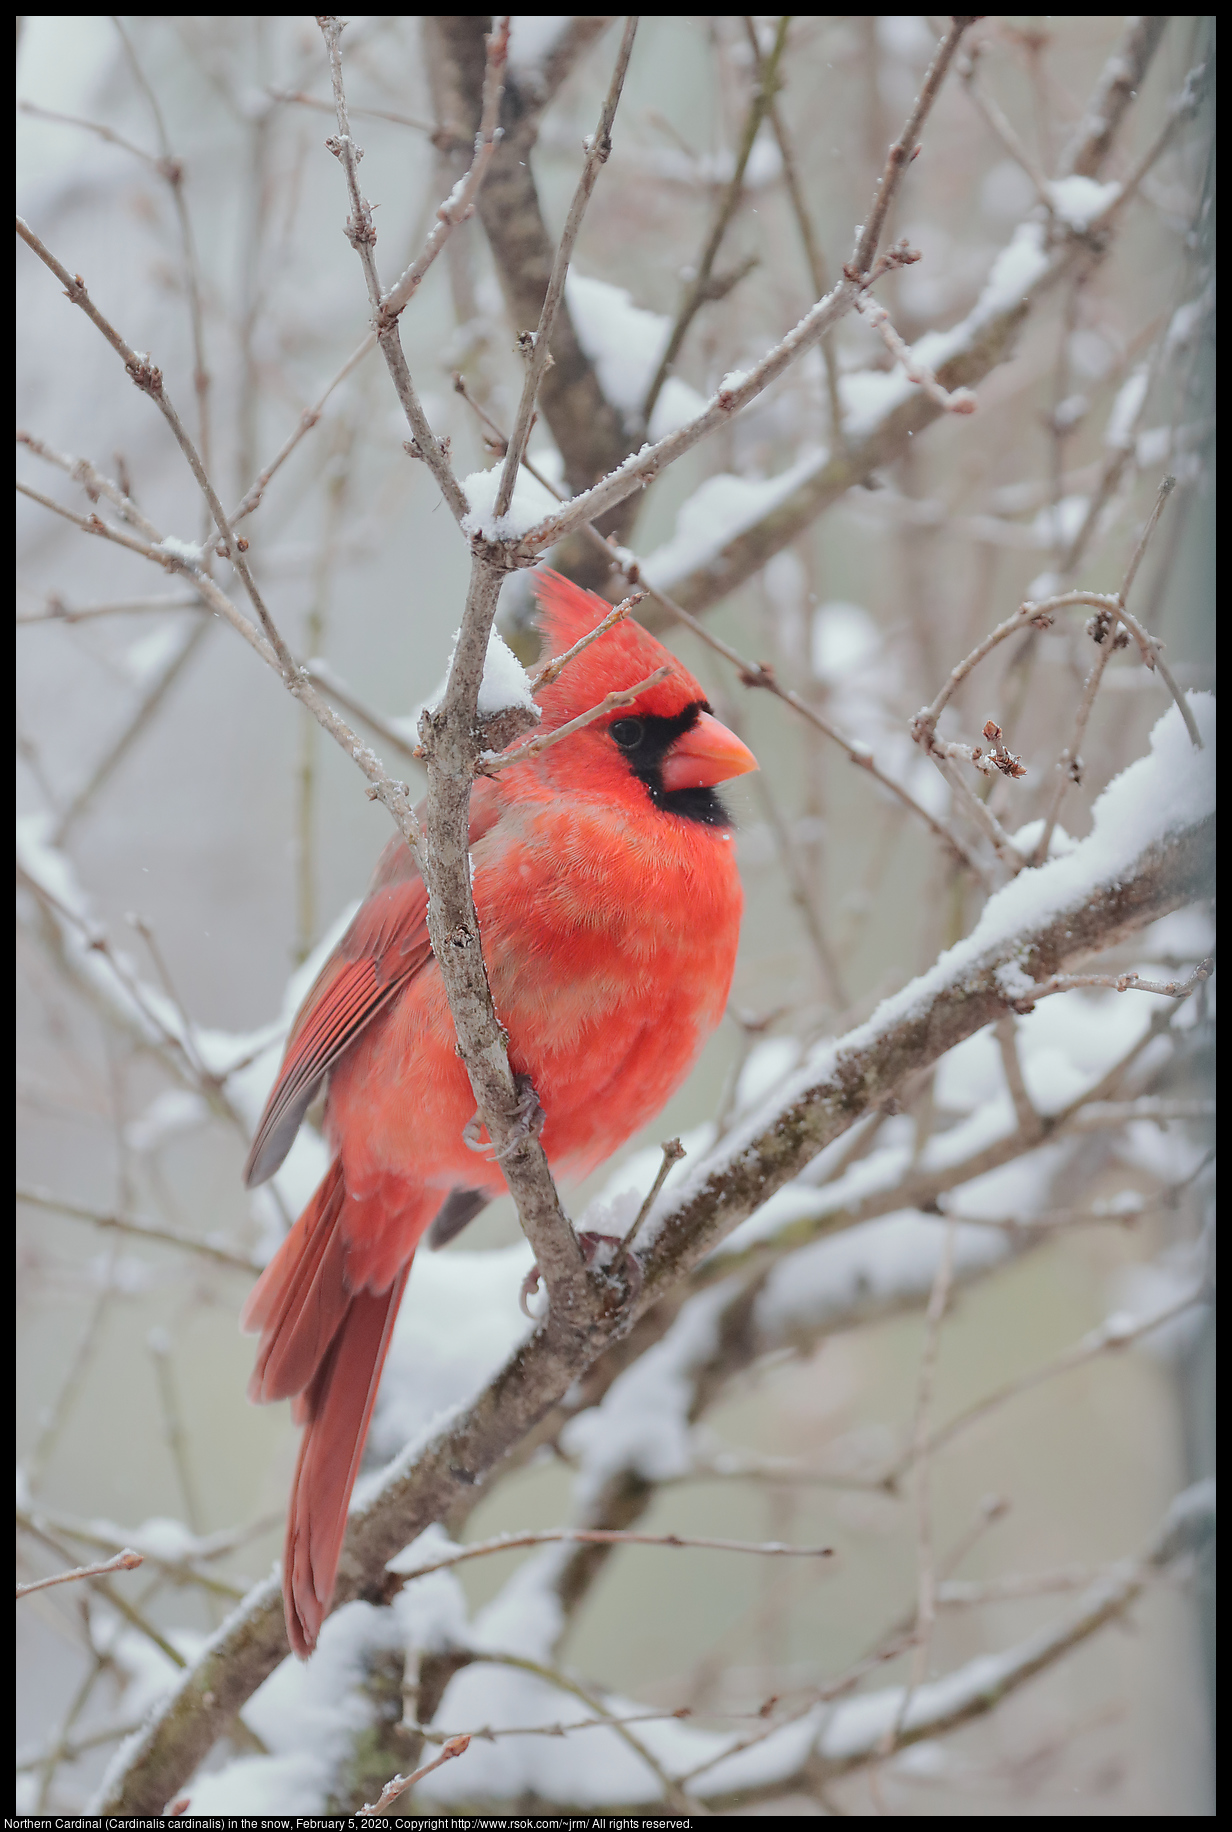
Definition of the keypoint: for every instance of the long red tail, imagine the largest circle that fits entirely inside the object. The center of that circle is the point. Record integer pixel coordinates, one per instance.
(324, 1345)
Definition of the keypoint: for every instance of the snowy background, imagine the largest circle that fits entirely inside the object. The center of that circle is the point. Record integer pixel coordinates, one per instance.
(174, 804)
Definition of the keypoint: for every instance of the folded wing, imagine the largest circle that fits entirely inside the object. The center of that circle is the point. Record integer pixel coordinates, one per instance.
(384, 948)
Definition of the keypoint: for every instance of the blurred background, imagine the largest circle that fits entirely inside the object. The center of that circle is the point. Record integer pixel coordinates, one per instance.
(173, 799)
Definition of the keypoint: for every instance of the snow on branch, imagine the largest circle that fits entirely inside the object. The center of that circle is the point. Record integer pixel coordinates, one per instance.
(1147, 853)
(1150, 852)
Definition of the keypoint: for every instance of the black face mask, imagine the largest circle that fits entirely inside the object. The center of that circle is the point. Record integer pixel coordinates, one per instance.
(644, 741)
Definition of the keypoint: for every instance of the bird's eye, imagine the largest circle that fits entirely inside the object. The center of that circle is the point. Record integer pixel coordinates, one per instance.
(628, 733)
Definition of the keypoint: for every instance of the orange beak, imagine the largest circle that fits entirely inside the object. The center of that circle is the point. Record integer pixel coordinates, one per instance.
(706, 754)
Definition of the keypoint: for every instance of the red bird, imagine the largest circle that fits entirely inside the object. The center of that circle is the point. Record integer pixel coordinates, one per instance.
(606, 888)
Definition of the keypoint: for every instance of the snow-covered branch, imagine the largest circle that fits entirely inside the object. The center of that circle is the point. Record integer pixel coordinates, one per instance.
(1150, 851)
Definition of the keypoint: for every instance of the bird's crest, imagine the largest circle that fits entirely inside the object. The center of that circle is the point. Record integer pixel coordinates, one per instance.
(620, 658)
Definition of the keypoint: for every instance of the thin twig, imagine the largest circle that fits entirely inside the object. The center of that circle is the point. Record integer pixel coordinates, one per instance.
(556, 667)
(701, 286)
(1069, 765)
(961, 400)
(307, 420)
(123, 1561)
(490, 762)
(120, 1604)
(492, 1733)
(793, 870)
(1124, 982)
(673, 1151)
(904, 149)
(172, 169)
(809, 240)
(393, 795)
(159, 1346)
(322, 675)
(595, 1536)
(142, 1230)
(926, 1576)
(1000, 126)
(91, 524)
(148, 378)
(58, 611)
(298, 97)
(1115, 1333)
(92, 481)
(598, 151)
(139, 720)
(1183, 105)
(979, 812)
(392, 1789)
(38, 113)
(674, 1791)
(361, 233)
(1007, 1043)
(460, 203)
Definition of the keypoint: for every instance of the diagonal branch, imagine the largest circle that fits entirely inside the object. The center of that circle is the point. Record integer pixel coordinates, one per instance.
(1119, 82)
(449, 1471)
(588, 429)
(701, 286)
(598, 151)
(361, 233)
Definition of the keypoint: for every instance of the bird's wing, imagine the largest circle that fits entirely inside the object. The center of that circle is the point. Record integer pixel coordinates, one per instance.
(385, 947)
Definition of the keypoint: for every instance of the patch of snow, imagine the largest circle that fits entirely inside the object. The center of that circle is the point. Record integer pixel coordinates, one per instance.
(1006, 191)
(1077, 201)
(1021, 264)
(1188, 934)
(530, 504)
(764, 165)
(1028, 837)
(173, 1111)
(1119, 432)
(642, 1422)
(894, 1258)
(867, 395)
(190, 552)
(458, 1322)
(308, 1714)
(505, 682)
(1143, 1291)
(1058, 523)
(152, 653)
(1186, 320)
(717, 511)
(432, 1609)
(531, 37)
(525, 1617)
(163, 1538)
(1153, 447)
(625, 343)
(905, 35)
(1166, 1152)
(1090, 353)
(845, 639)
(766, 1065)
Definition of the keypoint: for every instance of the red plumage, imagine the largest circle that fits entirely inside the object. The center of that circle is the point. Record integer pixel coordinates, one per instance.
(609, 903)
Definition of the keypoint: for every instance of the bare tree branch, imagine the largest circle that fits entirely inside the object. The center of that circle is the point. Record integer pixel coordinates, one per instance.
(450, 1471)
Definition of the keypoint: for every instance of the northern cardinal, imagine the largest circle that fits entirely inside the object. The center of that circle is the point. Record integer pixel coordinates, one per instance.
(609, 903)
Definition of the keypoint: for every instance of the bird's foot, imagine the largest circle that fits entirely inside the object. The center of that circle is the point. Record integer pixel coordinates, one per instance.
(530, 1116)
(606, 1256)
(528, 1122)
